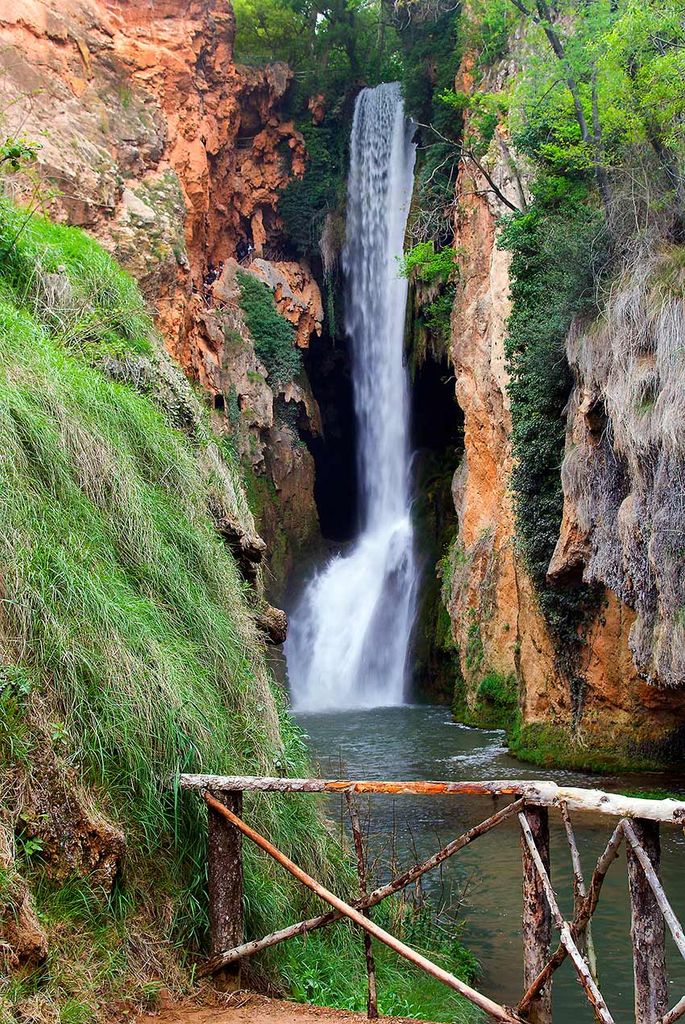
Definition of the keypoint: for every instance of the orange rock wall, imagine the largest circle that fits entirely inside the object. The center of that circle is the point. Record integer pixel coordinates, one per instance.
(159, 144)
(122, 93)
(496, 623)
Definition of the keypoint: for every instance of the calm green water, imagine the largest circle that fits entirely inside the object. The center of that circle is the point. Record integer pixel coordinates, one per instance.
(482, 884)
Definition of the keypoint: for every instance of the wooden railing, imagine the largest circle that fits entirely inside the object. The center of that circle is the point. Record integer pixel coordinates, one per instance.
(638, 826)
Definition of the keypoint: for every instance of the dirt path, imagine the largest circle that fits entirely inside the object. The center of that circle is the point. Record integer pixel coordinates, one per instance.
(253, 1009)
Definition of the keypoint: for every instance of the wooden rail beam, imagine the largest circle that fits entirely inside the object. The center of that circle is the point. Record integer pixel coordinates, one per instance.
(383, 892)
(539, 793)
(493, 1009)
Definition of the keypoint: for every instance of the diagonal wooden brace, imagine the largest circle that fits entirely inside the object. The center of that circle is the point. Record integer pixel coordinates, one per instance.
(592, 992)
(657, 888)
(587, 909)
(493, 1009)
(229, 956)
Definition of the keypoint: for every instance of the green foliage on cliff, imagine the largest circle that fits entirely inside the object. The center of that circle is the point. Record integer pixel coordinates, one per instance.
(556, 248)
(428, 264)
(432, 273)
(606, 169)
(130, 654)
(127, 630)
(306, 202)
(601, 94)
(487, 29)
(273, 335)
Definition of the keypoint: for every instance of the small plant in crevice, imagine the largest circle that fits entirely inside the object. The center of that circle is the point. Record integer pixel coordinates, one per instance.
(232, 406)
(498, 690)
(494, 705)
(432, 273)
(474, 652)
(288, 414)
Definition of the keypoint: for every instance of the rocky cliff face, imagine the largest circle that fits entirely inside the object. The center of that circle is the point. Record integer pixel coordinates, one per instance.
(157, 142)
(616, 495)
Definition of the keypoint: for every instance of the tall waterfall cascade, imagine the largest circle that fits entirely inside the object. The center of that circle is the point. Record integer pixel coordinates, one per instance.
(349, 635)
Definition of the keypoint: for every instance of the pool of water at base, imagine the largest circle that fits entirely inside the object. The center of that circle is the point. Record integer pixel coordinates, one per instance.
(482, 883)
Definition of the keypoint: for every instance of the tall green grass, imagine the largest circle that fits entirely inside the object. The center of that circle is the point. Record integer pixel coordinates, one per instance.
(130, 648)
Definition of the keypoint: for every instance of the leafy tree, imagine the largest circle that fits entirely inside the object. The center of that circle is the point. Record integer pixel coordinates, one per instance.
(575, 58)
(608, 81)
(270, 30)
(645, 56)
(327, 42)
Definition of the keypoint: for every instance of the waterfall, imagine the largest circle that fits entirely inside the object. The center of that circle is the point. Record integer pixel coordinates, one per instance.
(348, 638)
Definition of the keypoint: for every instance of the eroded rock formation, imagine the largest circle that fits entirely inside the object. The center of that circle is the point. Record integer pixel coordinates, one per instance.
(629, 644)
(173, 155)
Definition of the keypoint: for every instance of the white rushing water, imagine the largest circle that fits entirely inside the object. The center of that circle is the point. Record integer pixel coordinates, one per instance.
(348, 637)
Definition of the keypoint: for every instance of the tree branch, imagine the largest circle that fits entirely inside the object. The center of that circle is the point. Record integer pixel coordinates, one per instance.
(468, 154)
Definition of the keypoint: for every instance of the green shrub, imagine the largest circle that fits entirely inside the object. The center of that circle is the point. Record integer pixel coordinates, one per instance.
(499, 690)
(428, 264)
(273, 335)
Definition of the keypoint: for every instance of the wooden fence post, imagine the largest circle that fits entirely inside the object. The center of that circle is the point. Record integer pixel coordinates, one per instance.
(225, 886)
(647, 928)
(537, 916)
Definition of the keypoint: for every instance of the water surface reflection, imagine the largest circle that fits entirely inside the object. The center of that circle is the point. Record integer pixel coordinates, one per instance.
(422, 742)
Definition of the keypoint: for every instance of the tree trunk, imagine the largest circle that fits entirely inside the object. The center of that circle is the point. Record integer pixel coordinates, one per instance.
(537, 917)
(647, 929)
(225, 887)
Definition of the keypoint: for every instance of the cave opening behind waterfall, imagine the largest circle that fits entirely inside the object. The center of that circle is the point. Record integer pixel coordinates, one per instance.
(437, 438)
(328, 366)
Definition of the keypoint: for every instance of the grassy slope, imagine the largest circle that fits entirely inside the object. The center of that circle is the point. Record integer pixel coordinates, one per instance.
(130, 653)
